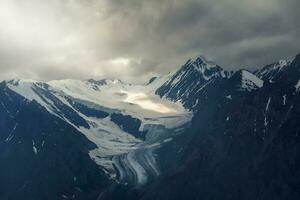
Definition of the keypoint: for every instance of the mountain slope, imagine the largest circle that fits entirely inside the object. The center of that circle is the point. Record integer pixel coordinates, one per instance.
(41, 156)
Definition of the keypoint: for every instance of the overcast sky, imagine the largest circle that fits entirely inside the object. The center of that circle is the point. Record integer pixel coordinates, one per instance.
(133, 40)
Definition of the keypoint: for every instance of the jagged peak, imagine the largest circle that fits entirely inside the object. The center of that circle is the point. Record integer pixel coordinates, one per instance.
(271, 71)
(196, 71)
(201, 66)
(200, 63)
(203, 59)
(276, 65)
(193, 76)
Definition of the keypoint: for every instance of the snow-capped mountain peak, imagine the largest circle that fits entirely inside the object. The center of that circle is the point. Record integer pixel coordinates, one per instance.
(204, 67)
(202, 61)
(191, 78)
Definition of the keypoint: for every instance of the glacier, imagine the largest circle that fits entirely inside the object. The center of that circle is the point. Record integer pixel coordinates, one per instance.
(124, 157)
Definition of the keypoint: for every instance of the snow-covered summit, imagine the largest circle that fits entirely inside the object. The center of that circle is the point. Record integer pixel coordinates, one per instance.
(203, 66)
(192, 77)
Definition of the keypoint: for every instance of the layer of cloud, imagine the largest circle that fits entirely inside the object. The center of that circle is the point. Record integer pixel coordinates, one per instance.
(134, 39)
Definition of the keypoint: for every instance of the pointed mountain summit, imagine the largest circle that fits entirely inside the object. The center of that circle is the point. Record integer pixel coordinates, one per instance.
(190, 79)
(206, 68)
(193, 76)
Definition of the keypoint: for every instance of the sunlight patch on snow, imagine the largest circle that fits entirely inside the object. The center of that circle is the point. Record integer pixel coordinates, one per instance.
(145, 102)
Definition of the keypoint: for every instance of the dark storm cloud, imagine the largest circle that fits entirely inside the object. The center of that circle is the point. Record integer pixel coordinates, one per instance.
(135, 39)
(235, 34)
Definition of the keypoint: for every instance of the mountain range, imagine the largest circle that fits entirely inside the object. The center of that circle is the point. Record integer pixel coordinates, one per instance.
(198, 133)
